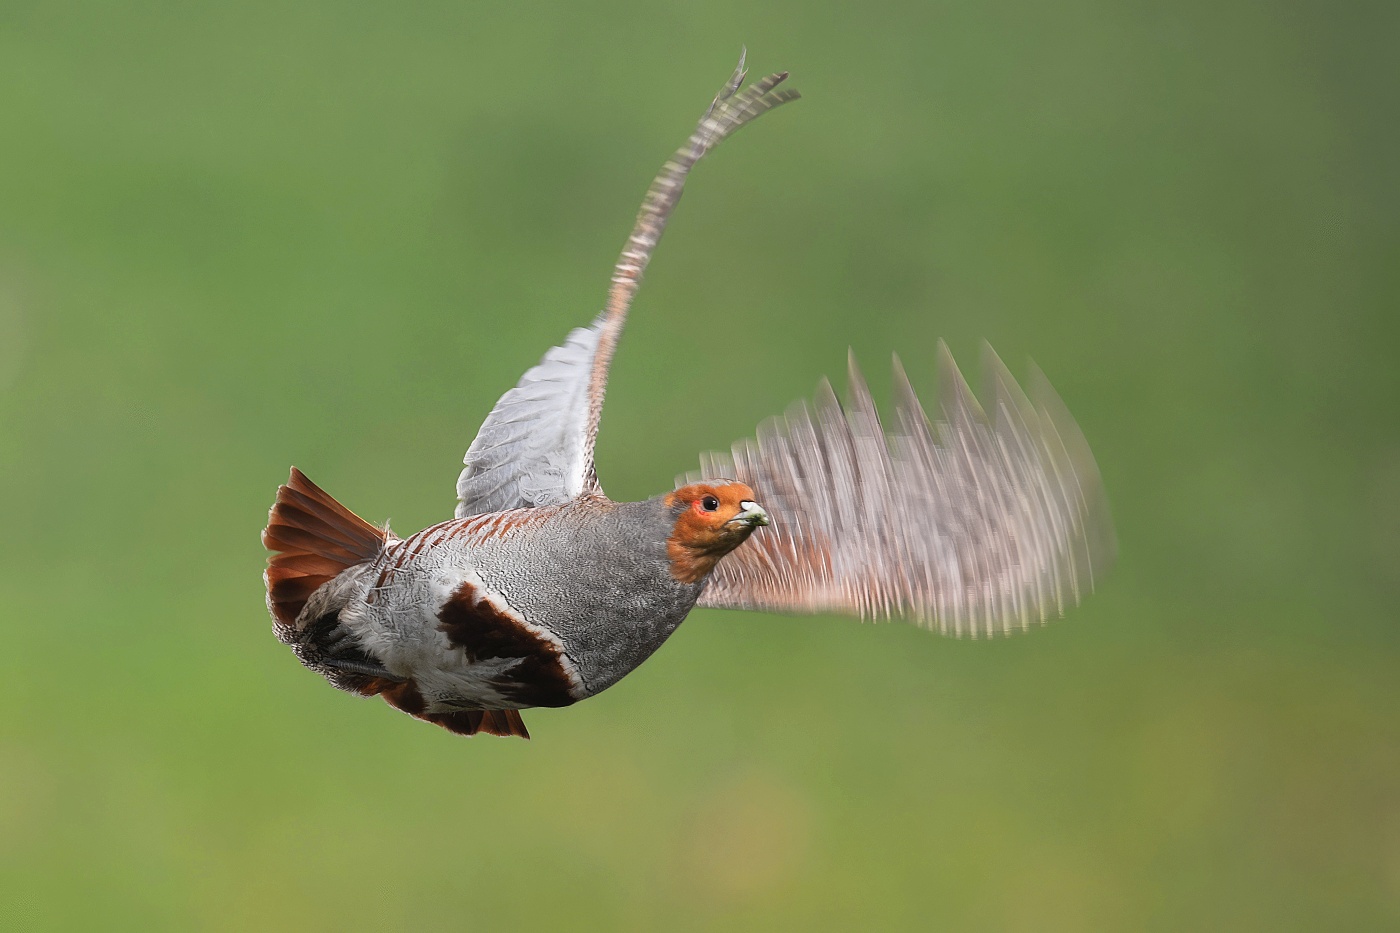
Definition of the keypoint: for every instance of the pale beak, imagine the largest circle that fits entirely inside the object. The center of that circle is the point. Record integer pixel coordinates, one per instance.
(752, 515)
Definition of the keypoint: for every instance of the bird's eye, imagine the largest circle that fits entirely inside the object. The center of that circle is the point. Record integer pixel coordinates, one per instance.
(709, 503)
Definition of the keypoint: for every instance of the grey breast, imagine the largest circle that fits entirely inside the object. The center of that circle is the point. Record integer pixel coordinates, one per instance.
(596, 575)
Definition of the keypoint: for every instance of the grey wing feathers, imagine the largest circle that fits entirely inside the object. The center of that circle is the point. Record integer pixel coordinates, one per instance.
(536, 446)
(980, 524)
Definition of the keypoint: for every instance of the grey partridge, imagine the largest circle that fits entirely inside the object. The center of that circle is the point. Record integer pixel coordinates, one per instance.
(542, 591)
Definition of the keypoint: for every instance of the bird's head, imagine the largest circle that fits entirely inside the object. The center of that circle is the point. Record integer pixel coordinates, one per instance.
(711, 519)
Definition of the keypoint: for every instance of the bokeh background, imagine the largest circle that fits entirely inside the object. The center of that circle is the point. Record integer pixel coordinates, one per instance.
(237, 237)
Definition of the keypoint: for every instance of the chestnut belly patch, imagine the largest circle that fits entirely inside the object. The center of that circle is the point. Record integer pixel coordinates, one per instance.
(541, 675)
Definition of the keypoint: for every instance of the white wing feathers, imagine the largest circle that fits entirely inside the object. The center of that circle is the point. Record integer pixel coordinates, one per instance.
(534, 449)
(536, 446)
(978, 525)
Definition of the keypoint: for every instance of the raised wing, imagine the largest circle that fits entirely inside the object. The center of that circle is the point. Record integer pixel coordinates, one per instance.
(536, 446)
(981, 524)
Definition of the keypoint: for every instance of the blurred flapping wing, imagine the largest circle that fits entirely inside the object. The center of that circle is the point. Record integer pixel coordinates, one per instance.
(980, 524)
(536, 446)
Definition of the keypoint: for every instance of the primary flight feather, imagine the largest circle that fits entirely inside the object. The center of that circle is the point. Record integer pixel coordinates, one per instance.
(542, 591)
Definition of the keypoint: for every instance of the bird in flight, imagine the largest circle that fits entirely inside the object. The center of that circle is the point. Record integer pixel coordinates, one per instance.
(542, 591)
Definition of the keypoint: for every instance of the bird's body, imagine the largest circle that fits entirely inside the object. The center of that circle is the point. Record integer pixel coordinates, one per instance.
(543, 591)
(502, 611)
(583, 589)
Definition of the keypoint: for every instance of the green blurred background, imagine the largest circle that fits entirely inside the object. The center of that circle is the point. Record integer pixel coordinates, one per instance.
(238, 237)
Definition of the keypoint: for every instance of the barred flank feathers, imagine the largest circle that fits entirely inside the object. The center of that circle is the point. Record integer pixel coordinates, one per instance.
(316, 538)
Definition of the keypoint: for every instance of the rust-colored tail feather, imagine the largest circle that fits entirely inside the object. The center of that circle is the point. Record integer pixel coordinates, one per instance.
(405, 696)
(490, 721)
(316, 538)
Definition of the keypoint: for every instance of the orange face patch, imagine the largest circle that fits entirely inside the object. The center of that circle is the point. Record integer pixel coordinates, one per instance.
(706, 529)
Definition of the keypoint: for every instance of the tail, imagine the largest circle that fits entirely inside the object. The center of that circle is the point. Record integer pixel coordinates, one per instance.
(316, 538)
(489, 721)
(405, 696)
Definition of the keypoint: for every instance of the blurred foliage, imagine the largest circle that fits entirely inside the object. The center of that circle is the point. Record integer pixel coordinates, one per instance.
(235, 237)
